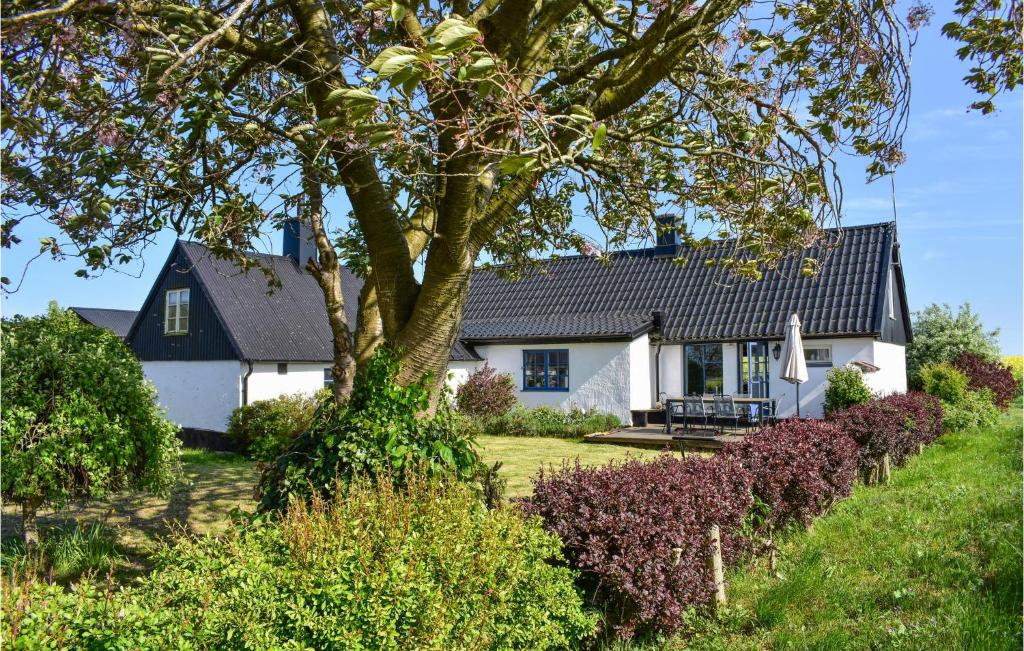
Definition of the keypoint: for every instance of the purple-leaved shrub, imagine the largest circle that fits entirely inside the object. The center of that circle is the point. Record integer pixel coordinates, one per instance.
(893, 425)
(486, 393)
(800, 468)
(621, 523)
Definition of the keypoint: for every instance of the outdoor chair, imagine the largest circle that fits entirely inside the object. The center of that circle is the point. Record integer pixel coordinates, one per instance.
(695, 411)
(727, 412)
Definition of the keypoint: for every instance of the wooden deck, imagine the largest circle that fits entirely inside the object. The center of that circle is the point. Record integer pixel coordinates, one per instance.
(655, 437)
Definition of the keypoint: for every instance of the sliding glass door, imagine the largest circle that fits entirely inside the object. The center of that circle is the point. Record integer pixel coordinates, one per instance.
(703, 369)
(753, 369)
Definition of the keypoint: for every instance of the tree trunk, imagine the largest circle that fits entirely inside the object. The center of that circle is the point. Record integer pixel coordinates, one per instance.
(425, 342)
(29, 526)
(327, 272)
(369, 333)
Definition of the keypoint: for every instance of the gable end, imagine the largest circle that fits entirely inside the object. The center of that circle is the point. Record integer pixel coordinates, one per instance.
(207, 338)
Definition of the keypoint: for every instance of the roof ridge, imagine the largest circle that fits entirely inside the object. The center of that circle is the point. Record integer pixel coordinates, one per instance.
(649, 250)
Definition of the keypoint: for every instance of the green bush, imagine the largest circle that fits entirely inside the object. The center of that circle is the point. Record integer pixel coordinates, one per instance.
(963, 409)
(378, 567)
(79, 420)
(945, 382)
(543, 421)
(263, 429)
(974, 409)
(845, 388)
(380, 432)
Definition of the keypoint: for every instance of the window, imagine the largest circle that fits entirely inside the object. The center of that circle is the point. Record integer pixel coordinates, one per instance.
(704, 369)
(282, 368)
(818, 355)
(545, 370)
(328, 378)
(892, 292)
(176, 312)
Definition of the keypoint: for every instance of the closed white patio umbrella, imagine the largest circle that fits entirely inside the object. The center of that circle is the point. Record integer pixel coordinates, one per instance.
(794, 366)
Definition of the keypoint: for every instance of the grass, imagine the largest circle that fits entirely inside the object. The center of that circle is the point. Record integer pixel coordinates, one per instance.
(214, 484)
(932, 560)
(65, 553)
(522, 457)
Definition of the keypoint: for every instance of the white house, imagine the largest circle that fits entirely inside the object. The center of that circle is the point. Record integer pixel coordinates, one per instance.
(616, 337)
(576, 332)
(211, 338)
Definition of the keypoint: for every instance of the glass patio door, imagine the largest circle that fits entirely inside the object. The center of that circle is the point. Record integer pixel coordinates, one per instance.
(753, 380)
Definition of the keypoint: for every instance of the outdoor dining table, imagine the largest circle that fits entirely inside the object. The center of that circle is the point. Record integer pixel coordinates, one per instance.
(739, 400)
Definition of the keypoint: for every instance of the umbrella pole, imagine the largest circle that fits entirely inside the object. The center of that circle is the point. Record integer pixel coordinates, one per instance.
(798, 400)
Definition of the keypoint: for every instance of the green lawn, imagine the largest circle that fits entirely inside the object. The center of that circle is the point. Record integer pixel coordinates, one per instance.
(522, 457)
(931, 561)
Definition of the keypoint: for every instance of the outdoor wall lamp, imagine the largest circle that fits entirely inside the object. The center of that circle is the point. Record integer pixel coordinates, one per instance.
(777, 351)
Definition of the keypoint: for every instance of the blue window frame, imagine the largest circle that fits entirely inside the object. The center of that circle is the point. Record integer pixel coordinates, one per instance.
(546, 370)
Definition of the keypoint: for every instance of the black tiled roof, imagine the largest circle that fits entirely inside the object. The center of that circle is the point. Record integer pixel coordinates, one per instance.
(288, 324)
(119, 321)
(463, 352)
(555, 326)
(582, 297)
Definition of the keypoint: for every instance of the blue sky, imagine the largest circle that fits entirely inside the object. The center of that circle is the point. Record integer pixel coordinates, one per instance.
(958, 206)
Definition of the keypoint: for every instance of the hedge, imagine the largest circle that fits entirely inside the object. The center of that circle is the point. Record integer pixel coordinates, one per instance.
(620, 523)
(893, 425)
(800, 468)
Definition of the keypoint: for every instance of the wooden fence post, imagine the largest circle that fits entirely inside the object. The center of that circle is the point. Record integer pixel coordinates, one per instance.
(884, 474)
(715, 565)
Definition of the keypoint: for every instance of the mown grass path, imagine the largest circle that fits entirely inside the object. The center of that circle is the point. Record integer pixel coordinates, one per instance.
(930, 561)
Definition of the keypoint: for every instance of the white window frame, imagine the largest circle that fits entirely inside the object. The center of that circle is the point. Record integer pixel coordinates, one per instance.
(818, 362)
(177, 324)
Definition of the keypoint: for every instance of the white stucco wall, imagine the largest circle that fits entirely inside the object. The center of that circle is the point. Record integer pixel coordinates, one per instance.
(265, 382)
(599, 374)
(619, 376)
(891, 359)
(197, 394)
(640, 373)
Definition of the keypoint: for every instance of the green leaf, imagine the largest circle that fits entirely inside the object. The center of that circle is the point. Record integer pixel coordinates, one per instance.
(388, 54)
(600, 133)
(517, 164)
(453, 34)
(397, 11)
(396, 64)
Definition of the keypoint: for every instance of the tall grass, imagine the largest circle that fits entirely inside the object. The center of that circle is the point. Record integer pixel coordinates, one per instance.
(63, 553)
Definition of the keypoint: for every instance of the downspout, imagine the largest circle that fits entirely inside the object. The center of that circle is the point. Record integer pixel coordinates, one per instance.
(245, 384)
(658, 318)
(657, 373)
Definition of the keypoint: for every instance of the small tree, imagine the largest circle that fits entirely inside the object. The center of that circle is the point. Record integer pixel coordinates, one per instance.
(79, 419)
(941, 336)
(486, 393)
(845, 388)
